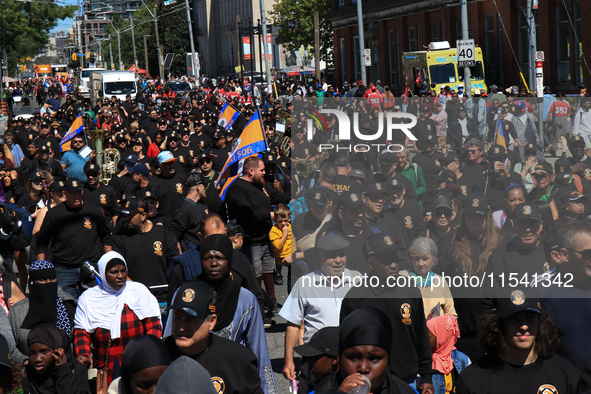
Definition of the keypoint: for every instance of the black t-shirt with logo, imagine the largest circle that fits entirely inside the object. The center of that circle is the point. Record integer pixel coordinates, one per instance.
(104, 196)
(490, 374)
(170, 193)
(410, 216)
(76, 234)
(148, 256)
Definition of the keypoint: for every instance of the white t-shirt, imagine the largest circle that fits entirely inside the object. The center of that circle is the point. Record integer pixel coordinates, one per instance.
(314, 302)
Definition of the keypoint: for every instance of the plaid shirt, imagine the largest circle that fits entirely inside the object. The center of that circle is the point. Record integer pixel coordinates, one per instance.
(98, 341)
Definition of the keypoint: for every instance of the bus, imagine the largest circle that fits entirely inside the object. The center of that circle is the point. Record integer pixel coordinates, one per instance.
(59, 70)
(439, 67)
(42, 70)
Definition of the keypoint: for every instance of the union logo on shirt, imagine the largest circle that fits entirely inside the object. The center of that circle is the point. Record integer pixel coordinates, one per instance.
(179, 188)
(218, 384)
(547, 389)
(182, 159)
(158, 248)
(408, 222)
(103, 199)
(405, 311)
(87, 222)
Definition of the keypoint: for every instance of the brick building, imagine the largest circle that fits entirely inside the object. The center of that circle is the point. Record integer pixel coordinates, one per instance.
(392, 27)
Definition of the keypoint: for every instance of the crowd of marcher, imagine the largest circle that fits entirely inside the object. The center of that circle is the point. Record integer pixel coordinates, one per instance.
(124, 255)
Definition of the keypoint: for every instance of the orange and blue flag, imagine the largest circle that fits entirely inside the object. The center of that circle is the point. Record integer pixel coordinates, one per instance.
(500, 137)
(77, 127)
(228, 116)
(227, 185)
(251, 141)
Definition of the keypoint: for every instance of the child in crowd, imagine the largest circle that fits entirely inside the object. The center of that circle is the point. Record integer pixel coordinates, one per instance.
(236, 234)
(280, 235)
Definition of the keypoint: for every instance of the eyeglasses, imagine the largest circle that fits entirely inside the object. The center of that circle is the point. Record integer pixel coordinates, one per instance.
(586, 254)
(78, 142)
(471, 151)
(445, 212)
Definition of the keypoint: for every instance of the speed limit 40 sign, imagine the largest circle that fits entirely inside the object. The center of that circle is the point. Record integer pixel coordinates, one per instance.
(466, 53)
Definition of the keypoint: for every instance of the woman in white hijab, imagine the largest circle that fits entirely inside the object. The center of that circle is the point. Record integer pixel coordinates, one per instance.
(109, 315)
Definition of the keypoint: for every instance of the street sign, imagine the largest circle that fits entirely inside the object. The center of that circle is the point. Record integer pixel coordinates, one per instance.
(169, 2)
(466, 53)
(539, 56)
(367, 51)
(367, 57)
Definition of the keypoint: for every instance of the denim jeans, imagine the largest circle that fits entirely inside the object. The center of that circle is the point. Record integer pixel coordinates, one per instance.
(68, 279)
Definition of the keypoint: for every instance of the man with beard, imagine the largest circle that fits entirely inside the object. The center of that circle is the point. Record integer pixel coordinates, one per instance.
(250, 204)
(73, 162)
(148, 249)
(150, 125)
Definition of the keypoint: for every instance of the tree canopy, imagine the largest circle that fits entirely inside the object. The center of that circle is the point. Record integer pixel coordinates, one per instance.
(25, 26)
(295, 19)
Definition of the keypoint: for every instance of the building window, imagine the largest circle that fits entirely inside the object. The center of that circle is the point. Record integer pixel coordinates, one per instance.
(412, 39)
(393, 55)
(343, 60)
(578, 43)
(563, 45)
(436, 32)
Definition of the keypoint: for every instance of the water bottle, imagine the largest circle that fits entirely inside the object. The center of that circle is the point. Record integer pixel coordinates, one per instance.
(365, 389)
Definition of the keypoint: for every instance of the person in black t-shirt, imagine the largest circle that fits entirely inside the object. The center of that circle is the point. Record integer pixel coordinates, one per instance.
(184, 224)
(518, 340)
(167, 185)
(78, 232)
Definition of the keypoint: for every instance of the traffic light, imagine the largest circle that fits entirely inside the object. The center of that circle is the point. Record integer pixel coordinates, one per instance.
(74, 57)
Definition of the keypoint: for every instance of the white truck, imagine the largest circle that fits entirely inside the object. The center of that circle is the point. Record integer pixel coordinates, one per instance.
(106, 84)
(85, 80)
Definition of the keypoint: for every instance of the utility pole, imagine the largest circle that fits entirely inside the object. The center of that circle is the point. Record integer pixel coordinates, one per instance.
(146, 54)
(193, 54)
(361, 41)
(251, 33)
(265, 46)
(532, 45)
(111, 54)
(260, 48)
(133, 43)
(238, 46)
(160, 59)
(119, 49)
(317, 43)
(466, 36)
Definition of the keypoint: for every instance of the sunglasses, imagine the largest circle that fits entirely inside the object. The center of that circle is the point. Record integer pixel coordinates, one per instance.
(445, 212)
(78, 142)
(586, 254)
(579, 201)
(471, 151)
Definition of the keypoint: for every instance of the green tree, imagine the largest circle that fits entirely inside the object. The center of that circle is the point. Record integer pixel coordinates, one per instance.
(172, 25)
(25, 27)
(295, 20)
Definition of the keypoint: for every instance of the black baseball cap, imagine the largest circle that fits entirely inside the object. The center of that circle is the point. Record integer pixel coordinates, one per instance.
(442, 202)
(35, 176)
(140, 169)
(512, 300)
(57, 186)
(446, 176)
(196, 299)
(563, 168)
(196, 179)
(576, 139)
(527, 210)
(317, 195)
(324, 341)
(92, 169)
(132, 207)
(449, 157)
(531, 148)
(350, 200)
(379, 244)
(132, 160)
(477, 203)
(374, 187)
(396, 182)
(73, 185)
(497, 152)
(543, 168)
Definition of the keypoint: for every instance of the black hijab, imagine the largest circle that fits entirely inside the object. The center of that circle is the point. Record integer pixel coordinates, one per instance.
(142, 353)
(226, 288)
(55, 338)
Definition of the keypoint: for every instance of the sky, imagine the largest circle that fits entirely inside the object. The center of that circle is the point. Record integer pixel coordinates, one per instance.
(66, 23)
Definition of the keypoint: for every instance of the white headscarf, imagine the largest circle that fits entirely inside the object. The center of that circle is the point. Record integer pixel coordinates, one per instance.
(101, 306)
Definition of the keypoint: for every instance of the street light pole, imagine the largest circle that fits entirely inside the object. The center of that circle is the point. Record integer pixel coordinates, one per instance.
(466, 36)
(133, 43)
(361, 42)
(119, 49)
(160, 60)
(193, 60)
(146, 54)
(111, 54)
(265, 47)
